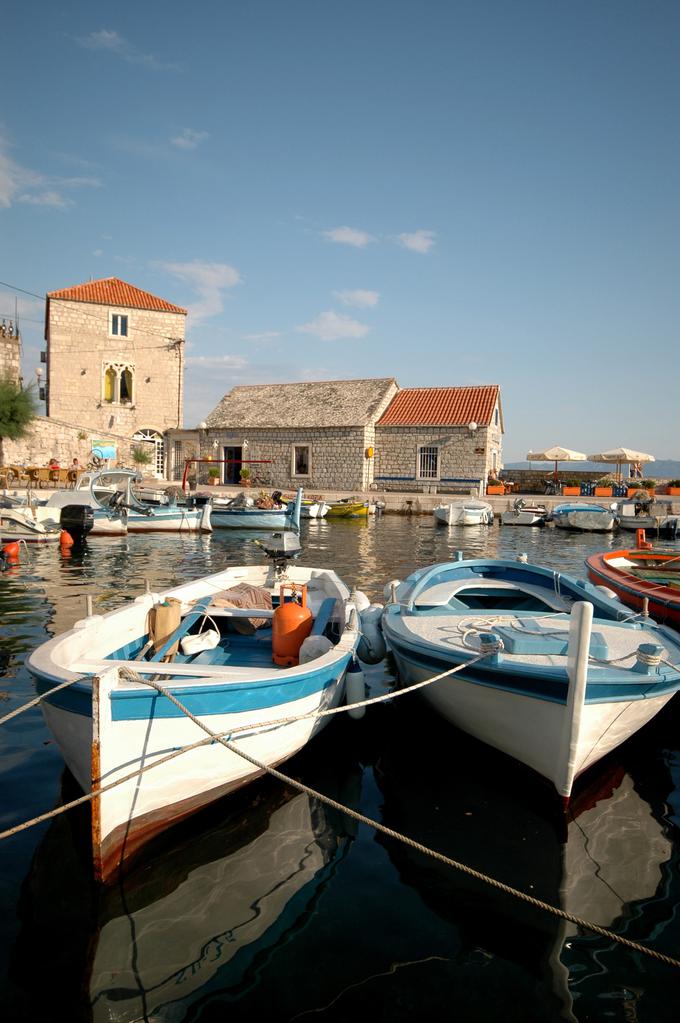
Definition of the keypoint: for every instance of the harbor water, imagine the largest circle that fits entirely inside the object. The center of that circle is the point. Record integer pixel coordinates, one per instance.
(270, 904)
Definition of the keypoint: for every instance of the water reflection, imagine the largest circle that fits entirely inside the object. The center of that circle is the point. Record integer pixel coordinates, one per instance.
(269, 892)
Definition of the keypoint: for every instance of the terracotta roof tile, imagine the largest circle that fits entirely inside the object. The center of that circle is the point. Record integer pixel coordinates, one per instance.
(112, 291)
(441, 406)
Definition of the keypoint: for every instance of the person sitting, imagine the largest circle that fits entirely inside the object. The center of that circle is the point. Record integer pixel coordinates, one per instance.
(53, 463)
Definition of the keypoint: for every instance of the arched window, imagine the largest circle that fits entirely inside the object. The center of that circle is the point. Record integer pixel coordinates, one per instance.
(126, 385)
(110, 380)
(118, 381)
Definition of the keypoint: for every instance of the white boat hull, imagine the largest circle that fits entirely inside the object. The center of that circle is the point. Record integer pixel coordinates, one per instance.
(464, 514)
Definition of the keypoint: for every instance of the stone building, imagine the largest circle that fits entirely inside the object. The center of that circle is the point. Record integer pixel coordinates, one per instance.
(115, 361)
(354, 435)
(316, 435)
(438, 439)
(10, 349)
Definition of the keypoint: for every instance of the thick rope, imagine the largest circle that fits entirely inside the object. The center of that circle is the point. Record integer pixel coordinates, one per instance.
(464, 868)
(448, 861)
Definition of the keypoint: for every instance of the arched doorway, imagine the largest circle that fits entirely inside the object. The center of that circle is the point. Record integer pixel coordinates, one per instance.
(155, 438)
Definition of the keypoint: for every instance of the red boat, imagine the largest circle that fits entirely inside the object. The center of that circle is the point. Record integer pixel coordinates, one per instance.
(645, 579)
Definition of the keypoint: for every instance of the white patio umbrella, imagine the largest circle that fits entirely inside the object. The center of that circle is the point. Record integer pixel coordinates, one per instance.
(556, 454)
(621, 456)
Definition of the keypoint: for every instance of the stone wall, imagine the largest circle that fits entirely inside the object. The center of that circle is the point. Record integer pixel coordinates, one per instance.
(79, 349)
(337, 455)
(51, 438)
(465, 458)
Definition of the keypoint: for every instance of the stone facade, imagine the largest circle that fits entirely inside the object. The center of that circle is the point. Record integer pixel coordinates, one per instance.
(10, 347)
(49, 438)
(463, 462)
(81, 351)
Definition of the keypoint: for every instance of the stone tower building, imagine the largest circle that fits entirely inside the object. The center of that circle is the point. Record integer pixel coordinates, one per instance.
(10, 344)
(115, 360)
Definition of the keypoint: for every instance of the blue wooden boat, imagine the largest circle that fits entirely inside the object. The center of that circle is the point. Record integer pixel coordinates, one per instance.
(591, 518)
(567, 672)
(219, 659)
(235, 515)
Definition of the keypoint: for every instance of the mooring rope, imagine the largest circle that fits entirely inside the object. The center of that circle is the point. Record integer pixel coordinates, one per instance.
(225, 740)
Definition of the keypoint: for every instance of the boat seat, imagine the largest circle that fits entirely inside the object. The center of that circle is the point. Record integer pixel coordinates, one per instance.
(323, 616)
(443, 595)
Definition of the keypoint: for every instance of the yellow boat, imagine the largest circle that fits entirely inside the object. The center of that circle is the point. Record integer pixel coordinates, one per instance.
(347, 510)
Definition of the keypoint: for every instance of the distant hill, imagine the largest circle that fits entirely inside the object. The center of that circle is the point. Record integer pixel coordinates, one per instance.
(663, 468)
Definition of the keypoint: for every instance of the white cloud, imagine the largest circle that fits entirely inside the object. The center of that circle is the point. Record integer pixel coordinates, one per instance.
(216, 361)
(349, 236)
(360, 298)
(266, 335)
(419, 241)
(332, 326)
(21, 184)
(210, 280)
(189, 138)
(112, 42)
(48, 198)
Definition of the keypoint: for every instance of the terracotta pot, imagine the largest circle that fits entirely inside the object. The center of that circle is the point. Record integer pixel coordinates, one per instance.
(495, 490)
(674, 491)
(571, 491)
(603, 491)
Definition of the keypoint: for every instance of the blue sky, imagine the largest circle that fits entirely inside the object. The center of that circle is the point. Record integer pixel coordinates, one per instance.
(445, 192)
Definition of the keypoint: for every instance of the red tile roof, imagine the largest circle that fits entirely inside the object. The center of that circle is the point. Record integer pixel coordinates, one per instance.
(441, 406)
(112, 291)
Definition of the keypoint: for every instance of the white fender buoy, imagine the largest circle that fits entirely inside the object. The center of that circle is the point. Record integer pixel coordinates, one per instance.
(360, 600)
(371, 648)
(392, 584)
(607, 592)
(355, 689)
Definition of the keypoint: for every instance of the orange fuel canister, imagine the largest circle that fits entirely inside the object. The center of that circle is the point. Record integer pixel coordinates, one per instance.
(291, 624)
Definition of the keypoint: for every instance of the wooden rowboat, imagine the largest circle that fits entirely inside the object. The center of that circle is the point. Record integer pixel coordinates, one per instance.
(640, 575)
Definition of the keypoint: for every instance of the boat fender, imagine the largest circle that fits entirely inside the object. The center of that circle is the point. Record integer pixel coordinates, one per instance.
(389, 587)
(360, 600)
(371, 648)
(607, 592)
(65, 540)
(355, 689)
(199, 641)
(10, 552)
(313, 647)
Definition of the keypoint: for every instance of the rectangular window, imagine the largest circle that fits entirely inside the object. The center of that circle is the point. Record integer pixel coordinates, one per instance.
(428, 463)
(119, 325)
(301, 460)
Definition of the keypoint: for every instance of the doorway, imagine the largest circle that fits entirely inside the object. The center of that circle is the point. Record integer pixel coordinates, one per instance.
(232, 466)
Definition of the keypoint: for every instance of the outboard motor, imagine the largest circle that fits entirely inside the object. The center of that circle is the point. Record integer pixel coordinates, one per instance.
(77, 519)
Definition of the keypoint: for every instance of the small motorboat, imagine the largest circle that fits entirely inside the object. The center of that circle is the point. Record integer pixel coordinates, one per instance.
(554, 671)
(643, 578)
(314, 510)
(643, 512)
(241, 512)
(242, 650)
(591, 518)
(20, 523)
(524, 514)
(464, 513)
(347, 508)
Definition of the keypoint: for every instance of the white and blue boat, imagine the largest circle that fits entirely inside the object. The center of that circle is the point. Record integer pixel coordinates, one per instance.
(118, 510)
(210, 644)
(592, 518)
(235, 514)
(568, 673)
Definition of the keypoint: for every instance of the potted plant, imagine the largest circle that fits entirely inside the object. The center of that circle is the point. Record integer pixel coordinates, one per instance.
(213, 476)
(571, 489)
(632, 487)
(649, 486)
(494, 486)
(245, 476)
(140, 456)
(604, 487)
(674, 487)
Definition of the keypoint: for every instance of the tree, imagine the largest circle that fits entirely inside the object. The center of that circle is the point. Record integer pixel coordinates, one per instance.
(141, 456)
(18, 409)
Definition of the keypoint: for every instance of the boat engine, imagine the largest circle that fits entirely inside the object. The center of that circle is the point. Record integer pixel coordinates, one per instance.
(77, 519)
